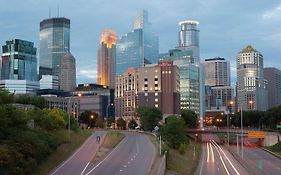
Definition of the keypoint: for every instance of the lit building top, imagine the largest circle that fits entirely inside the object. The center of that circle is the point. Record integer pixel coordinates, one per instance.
(188, 22)
(109, 37)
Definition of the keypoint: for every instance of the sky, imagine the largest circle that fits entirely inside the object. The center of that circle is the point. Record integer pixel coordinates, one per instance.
(226, 26)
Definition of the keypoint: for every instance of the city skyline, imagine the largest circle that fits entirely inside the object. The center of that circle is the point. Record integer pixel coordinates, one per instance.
(218, 37)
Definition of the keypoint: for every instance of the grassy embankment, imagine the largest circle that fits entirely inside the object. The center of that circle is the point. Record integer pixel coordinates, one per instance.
(276, 148)
(64, 151)
(187, 163)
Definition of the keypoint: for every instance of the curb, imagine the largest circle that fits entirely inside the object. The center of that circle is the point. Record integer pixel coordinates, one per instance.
(272, 153)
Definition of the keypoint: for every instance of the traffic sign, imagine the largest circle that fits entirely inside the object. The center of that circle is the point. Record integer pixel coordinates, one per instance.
(256, 134)
(278, 126)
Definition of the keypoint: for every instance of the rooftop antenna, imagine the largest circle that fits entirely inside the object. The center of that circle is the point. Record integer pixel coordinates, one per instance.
(58, 10)
(49, 12)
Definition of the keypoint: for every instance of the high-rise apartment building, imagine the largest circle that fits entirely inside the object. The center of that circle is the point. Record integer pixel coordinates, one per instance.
(19, 67)
(217, 77)
(107, 59)
(138, 47)
(54, 43)
(154, 85)
(273, 77)
(251, 85)
(68, 73)
(217, 72)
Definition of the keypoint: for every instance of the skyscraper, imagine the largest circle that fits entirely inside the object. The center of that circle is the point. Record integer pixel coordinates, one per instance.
(186, 56)
(251, 85)
(217, 77)
(106, 59)
(138, 47)
(273, 77)
(19, 67)
(68, 73)
(189, 37)
(54, 43)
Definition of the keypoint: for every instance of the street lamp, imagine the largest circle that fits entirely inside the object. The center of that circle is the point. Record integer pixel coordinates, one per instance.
(71, 112)
(251, 104)
(242, 152)
(92, 117)
(231, 103)
(110, 104)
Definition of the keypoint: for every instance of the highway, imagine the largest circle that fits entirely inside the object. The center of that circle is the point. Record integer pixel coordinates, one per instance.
(81, 158)
(262, 160)
(134, 155)
(216, 159)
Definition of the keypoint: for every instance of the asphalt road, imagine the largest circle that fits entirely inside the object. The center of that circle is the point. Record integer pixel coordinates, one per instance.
(265, 162)
(80, 159)
(133, 156)
(216, 160)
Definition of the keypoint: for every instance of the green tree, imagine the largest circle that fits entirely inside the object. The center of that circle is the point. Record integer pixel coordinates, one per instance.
(272, 117)
(149, 117)
(132, 124)
(37, 101)
(5, 97)
(121, 123)
(174, 132)
(100, 122)
(86, 117)
(189, 117)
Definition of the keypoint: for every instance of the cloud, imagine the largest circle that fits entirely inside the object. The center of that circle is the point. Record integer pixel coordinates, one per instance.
(87, 73)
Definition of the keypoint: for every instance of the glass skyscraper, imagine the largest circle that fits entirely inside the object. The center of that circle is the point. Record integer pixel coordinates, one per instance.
(18, 66)
(19, 61)
(107, 58)
(138, 47)
(54, 43)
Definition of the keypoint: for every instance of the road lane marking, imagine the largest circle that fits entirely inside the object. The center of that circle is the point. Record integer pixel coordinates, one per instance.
(227, 158)
(85, 168)
(202, 160)
(222, 161)
(85, 143)
(123, 140)
(208, 154)
(212, 153)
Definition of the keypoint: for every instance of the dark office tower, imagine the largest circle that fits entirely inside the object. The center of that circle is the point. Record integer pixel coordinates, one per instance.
(68, 73)
(54, 43)
(18, 66)
(106, 58)
(273, 77)
(19, 61)
(137, 47)
(189, 38)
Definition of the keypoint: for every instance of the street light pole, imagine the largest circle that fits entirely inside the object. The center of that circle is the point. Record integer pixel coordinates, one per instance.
(69, 117)
(242, 153)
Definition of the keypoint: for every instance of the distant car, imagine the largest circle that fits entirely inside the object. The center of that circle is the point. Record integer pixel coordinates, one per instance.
(137, 127)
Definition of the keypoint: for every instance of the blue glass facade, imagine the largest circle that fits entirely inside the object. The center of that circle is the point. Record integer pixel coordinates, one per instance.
(18, 61)
(136, 48)
(54, 43)
(189, 78)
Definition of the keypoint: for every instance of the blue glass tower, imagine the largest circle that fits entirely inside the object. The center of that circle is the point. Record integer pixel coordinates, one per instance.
(54, 43)
(138, 47)
(19, 61)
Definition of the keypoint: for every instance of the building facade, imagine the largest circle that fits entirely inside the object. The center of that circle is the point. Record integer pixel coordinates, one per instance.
(189, 38)
(138, 47)
(68, 73)
(251, 85)
(54, 43)
(155, 85)
(107, 59)
(217, 72)
(49, 82)
(217, 77)
(18, 66)
(273, 77)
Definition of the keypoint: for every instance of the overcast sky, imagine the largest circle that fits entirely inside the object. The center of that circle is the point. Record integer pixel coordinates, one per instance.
(226, 26)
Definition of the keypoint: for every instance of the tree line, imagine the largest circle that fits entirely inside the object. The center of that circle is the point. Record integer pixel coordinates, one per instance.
(27, 137)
